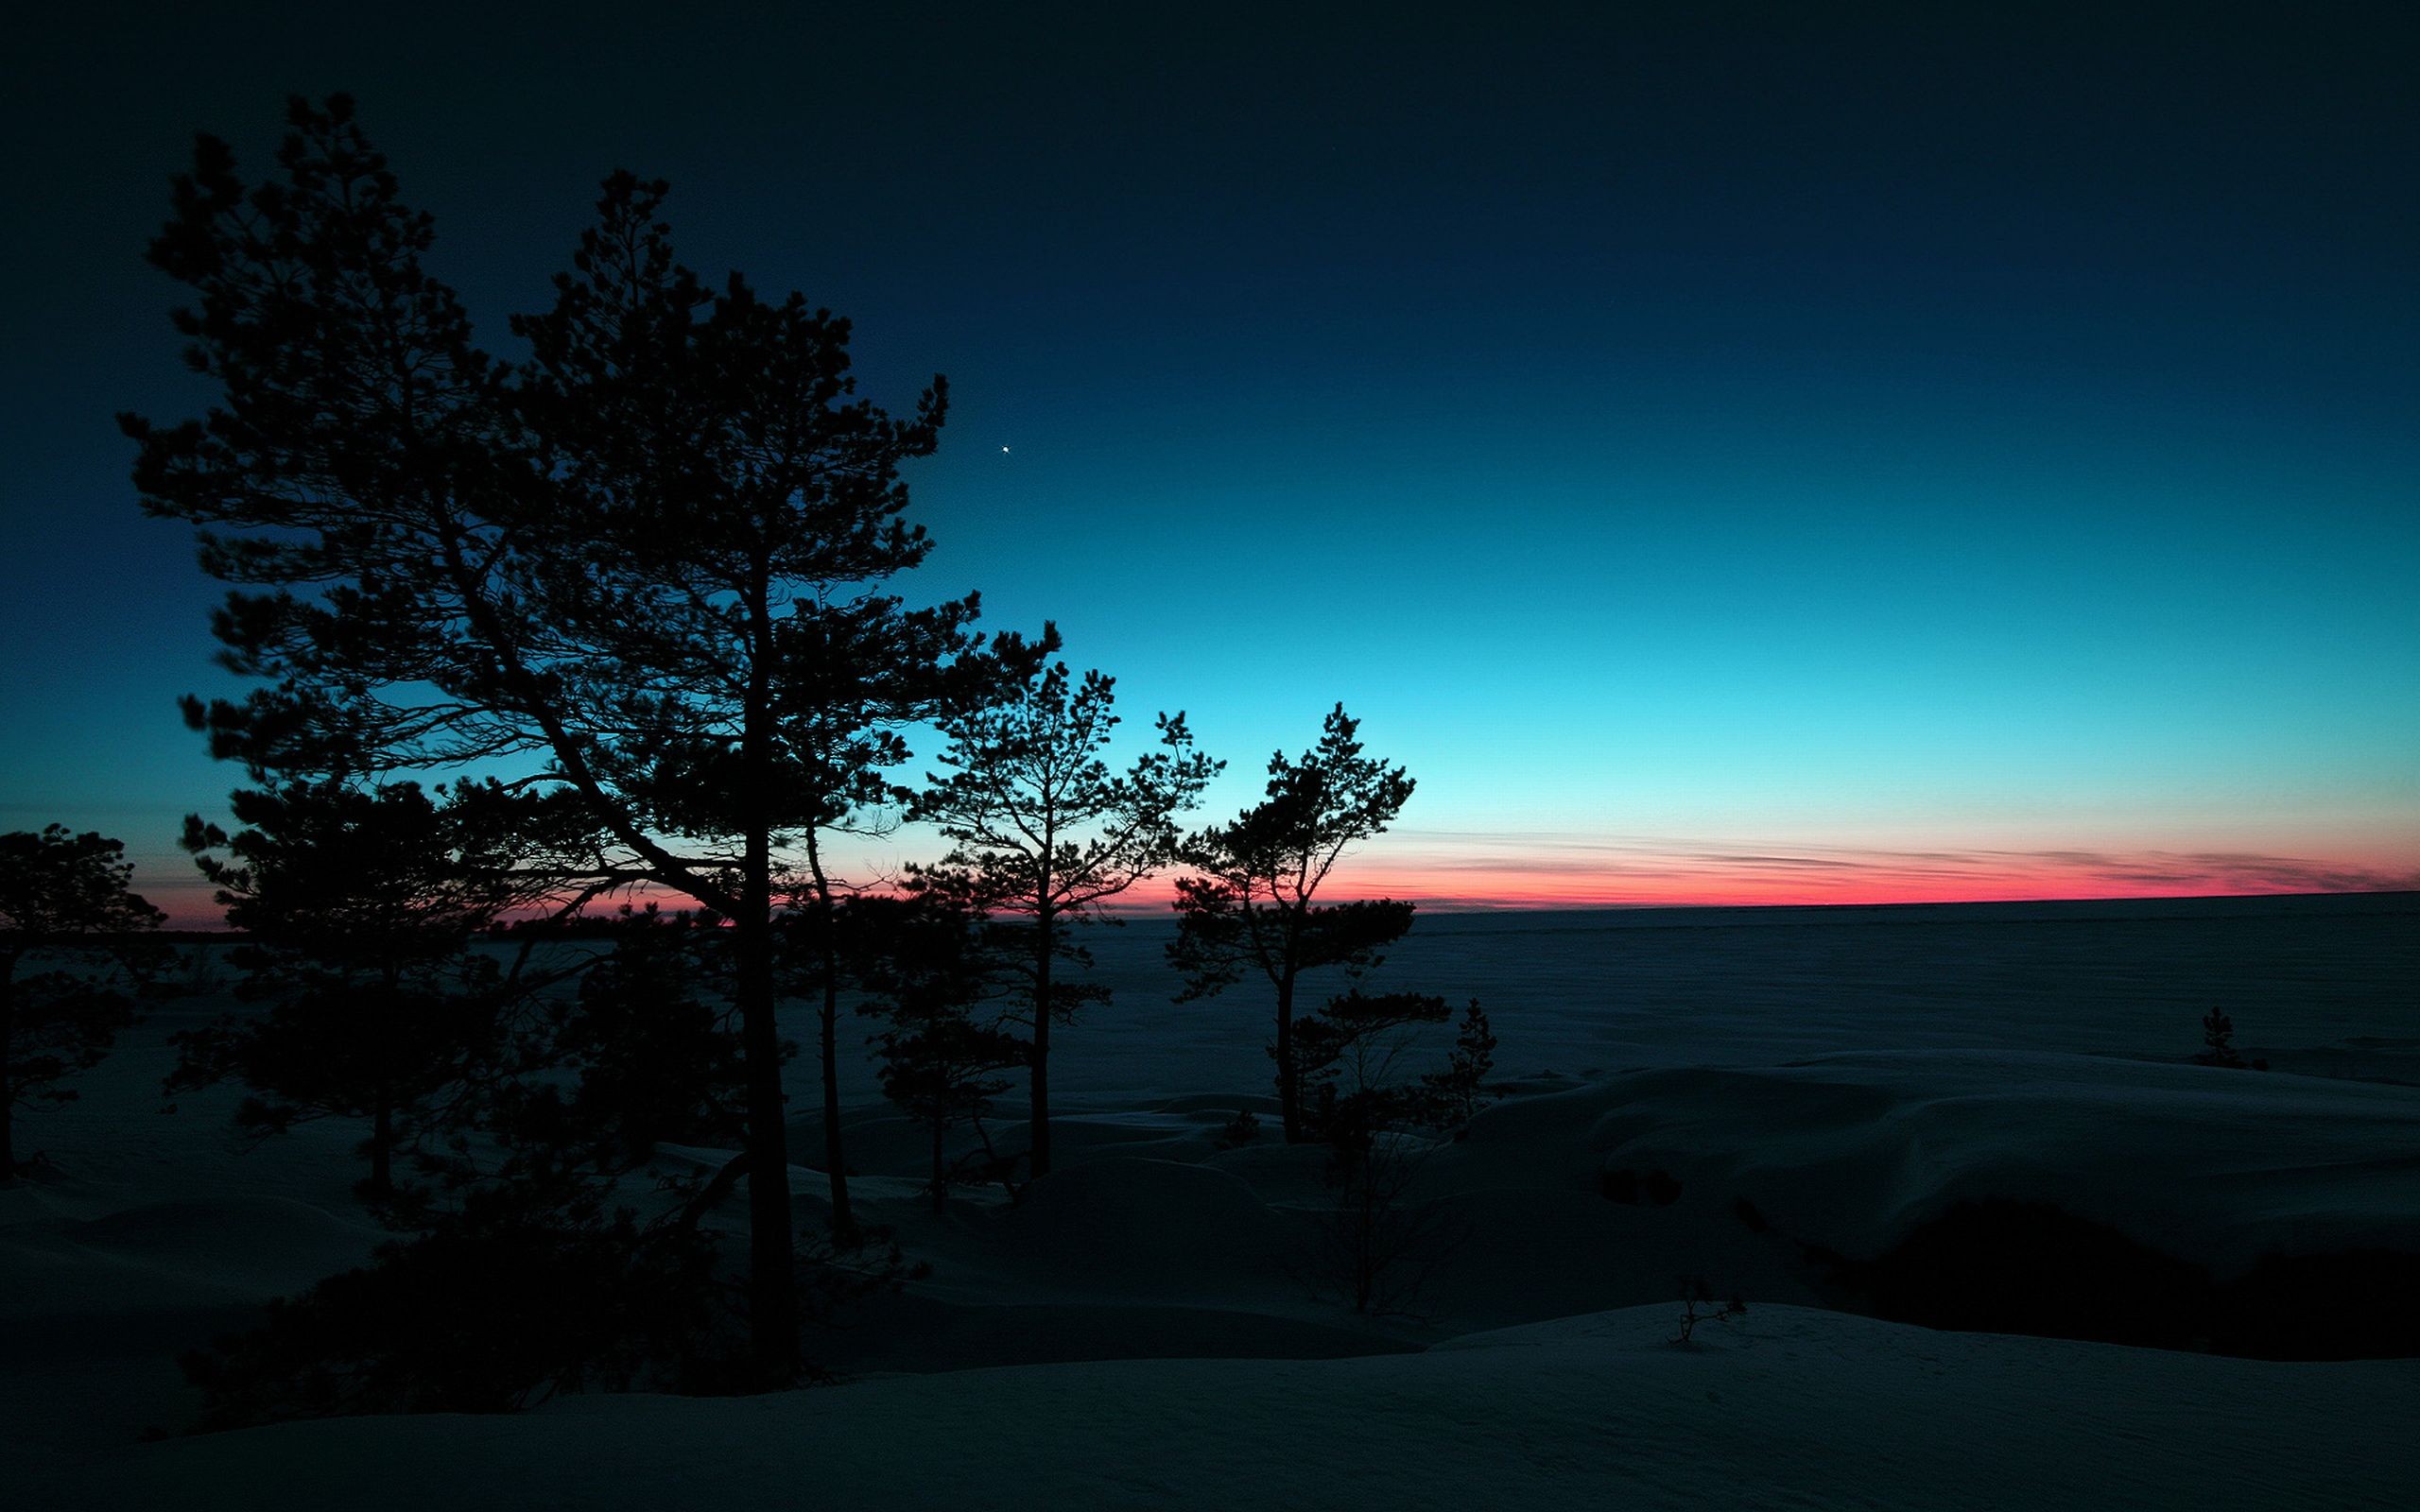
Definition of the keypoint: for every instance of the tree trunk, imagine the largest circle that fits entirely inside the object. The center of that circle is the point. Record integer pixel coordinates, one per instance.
(1290, 1107)
(836, 1162)
(773, 1282)
(8, 1069)
(1040, 1141)
(772, 1295)
(941, 1168)
(382, 1144)
(382, 1100)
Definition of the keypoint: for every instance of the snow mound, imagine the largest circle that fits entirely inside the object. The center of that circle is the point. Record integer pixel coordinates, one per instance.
(1785, 1407)
(1852, 1152)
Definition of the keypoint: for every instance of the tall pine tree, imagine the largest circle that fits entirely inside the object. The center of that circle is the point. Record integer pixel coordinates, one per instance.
(619, 559)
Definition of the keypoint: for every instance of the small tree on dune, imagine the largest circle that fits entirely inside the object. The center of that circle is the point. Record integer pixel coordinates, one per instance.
(1381, 1128)
(930, 968)
(1348, 1050)
(2217, 1045)
(1455, 1091)
(64, 900)
(1045, 832)
(1345, 1054)
(1253, 907)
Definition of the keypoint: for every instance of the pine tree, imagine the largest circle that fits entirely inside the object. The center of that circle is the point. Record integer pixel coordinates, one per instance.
(935, 972)
(1253, 908)
(1381, 1129)
(647, 560)
(1454, 1093)
(1045, 832)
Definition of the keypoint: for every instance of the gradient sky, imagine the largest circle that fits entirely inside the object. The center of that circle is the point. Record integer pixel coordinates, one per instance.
(1729, 453)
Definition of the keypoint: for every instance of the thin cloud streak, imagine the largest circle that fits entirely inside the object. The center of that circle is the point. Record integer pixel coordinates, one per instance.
(1463, 869)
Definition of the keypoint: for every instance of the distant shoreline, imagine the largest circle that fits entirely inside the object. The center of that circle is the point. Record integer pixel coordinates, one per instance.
(2026, 910)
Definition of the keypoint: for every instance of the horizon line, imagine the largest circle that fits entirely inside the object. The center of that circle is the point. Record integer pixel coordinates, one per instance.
(1452, 907)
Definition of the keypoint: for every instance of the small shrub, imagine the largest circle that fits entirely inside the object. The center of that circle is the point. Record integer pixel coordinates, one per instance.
(1698, 1306)
(2217, 1037)
(1240, 1131)
(1455, 1092)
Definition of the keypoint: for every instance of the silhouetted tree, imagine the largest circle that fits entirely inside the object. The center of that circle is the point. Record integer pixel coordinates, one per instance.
(935, 972)
(1044, 830)
(1453, 1092)
(583, 1249)
(1252, 907)
(859, 673)
(1381, 1129)
(1349, 1031)
(63, 901)
(2217, 1041)
(360, 907)
(626, 558)
(1360, 1034)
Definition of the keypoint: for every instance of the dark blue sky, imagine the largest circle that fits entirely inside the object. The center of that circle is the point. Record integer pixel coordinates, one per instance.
(1727, 451)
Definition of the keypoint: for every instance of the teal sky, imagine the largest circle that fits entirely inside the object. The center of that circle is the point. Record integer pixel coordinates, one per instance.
(1728, 452)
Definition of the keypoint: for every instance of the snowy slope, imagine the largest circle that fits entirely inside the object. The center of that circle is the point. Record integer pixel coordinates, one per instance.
(1787, 1407)
(1152, 1326)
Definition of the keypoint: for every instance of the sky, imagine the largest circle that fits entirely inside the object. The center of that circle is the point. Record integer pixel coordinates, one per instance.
(1729, 453)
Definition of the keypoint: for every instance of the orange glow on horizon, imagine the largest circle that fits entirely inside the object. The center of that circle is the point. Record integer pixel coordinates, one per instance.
(1659, 878)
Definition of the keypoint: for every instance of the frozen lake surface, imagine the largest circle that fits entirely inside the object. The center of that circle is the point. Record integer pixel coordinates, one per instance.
(2330, 984)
